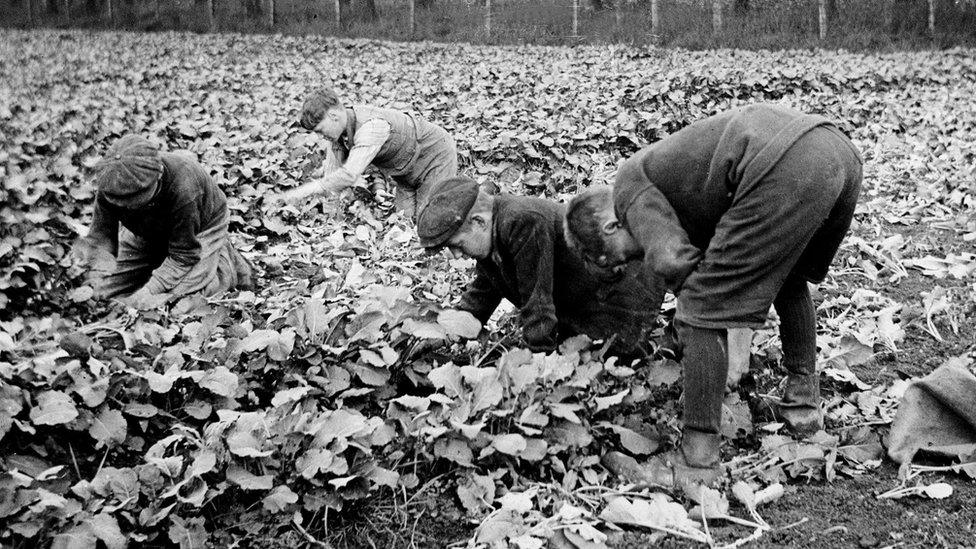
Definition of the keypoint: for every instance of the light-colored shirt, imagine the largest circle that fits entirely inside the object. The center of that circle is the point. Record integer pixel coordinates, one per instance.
(367, 142)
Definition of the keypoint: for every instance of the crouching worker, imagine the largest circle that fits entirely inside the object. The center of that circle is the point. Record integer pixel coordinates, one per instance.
(173, 239)
(407, 148)
(522, 256)
(735, 213)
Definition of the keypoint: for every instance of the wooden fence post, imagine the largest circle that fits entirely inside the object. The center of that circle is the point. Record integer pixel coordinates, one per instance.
(211, 19)
(932, 17)
(823, 19)
(267, 8)
(716, 16)
(413, 21)
(576, 7)
(488, 18)
(655, 22)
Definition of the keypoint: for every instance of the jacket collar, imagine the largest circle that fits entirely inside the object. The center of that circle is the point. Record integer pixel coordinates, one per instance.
(350, 132)
(496, 208)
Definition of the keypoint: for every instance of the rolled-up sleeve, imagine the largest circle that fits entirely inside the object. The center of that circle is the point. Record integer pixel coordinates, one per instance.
(368, 141)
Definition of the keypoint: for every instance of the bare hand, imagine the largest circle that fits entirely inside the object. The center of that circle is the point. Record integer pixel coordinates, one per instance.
(289, 197)
(89, 255)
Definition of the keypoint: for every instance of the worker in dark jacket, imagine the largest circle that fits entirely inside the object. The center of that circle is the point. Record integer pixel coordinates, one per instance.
(735, 213)
(522, 256)
(164, 220)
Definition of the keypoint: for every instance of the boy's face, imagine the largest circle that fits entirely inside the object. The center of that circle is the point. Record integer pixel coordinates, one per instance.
(332, 124)
(611, 249)
(473, 240)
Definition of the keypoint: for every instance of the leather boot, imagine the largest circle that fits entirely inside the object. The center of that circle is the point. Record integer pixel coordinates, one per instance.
(800, 407)
(705, 367)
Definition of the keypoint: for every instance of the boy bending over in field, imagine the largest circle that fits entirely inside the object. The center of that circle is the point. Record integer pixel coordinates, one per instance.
(412, 151)
(522, 256)
(735, 213)
(173, 239)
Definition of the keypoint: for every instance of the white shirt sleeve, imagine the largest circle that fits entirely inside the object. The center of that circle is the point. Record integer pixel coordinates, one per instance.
(368, 141)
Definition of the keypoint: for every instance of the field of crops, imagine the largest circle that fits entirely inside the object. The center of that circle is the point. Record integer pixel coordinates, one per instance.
(336, 404)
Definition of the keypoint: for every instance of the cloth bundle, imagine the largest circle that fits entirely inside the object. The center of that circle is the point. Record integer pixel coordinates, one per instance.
(937, 416)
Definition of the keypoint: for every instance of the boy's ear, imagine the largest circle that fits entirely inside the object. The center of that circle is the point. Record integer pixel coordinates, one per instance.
(480, 220)
(610, 226)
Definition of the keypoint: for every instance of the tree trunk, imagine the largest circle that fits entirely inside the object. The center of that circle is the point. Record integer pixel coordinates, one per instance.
(576, 7)
(822, 12)
(338, 13)
(413, 18)
(932, 17)
(29, 4)
(716, 16)
(109, 13)
(655, 22)
(269, 13)
(209, 16)
(488, 18)
(66, 12)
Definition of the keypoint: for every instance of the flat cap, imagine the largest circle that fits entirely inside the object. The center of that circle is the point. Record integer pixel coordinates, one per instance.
(129, 174)
(446, 209)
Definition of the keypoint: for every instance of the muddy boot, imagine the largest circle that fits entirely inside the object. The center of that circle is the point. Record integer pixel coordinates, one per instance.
(800, 407)
(705, 367)
(698, 460)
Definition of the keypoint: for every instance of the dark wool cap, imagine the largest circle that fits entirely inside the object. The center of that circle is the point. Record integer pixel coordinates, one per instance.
(129, 174)
(445, 211)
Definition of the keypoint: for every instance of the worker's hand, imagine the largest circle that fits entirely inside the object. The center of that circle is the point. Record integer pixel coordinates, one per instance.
(89, 255)
(460, 323)
(290, 197)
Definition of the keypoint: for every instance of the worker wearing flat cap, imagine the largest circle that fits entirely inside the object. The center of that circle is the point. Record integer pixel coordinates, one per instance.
(173, 240)
(522, 256)
(736, 213)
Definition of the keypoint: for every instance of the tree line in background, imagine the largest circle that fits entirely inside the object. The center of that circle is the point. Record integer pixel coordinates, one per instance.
(480, 19)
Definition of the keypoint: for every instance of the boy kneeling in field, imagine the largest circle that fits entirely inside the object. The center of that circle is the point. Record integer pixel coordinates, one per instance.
(522, 256)
(173, 239)
(412, 151)
(734, 213)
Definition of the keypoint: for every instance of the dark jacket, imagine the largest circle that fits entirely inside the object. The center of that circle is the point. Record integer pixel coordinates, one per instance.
(187, 203)
(556, 294)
